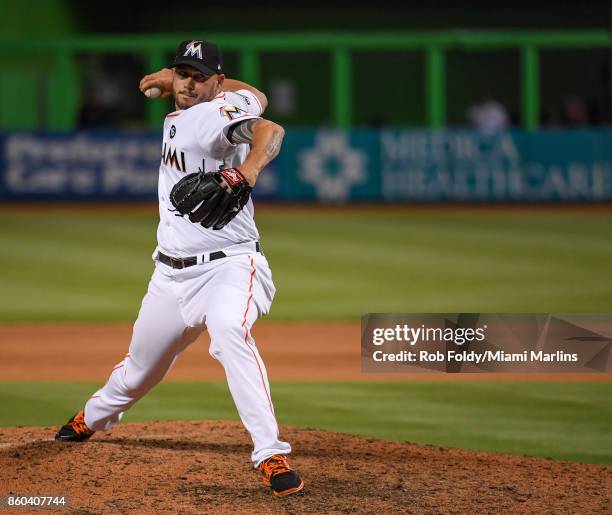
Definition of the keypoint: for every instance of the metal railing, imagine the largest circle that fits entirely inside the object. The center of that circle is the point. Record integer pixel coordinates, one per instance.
(340, 45)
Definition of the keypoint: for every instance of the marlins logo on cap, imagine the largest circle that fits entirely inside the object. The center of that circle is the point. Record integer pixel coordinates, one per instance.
(194, 49)
(202, 55)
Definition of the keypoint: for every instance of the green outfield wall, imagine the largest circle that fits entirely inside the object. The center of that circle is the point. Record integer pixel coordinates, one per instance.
(56, 84)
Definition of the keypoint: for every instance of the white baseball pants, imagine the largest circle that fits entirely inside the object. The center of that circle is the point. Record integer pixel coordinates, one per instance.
(227, 296)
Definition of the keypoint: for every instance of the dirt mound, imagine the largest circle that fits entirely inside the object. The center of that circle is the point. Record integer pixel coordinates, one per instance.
(195, 467)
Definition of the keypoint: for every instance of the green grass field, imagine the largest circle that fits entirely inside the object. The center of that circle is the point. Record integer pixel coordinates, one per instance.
(569, 421)
(337, 265)
(57, 266)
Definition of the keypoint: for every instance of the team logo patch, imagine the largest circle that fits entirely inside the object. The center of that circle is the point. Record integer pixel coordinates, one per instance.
(232, 112)
(194, 49)
(232, 175)
(172, 131)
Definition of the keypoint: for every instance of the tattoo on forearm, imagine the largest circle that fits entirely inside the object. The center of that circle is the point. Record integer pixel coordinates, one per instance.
(242, 132)
(273, 148)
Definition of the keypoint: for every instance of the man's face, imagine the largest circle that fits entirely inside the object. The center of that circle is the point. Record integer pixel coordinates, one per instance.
(191, 87)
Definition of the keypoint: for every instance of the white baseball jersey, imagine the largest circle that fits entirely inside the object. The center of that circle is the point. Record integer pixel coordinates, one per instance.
(195, 139)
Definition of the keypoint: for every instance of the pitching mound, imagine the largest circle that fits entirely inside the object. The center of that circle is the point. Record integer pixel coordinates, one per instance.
(195, 467)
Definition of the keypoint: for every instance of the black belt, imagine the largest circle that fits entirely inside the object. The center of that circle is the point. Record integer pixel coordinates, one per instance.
(175, 262)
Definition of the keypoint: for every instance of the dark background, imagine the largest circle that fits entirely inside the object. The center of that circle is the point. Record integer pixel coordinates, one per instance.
(116, 16)
(574, 84)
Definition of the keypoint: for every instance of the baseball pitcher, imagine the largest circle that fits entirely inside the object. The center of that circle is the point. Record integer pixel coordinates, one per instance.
(209, 267)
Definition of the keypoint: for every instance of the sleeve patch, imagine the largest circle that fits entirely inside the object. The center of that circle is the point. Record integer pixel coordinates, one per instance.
(232, 112)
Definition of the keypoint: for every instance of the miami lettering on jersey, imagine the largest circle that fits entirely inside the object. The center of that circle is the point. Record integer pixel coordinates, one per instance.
(169, 158)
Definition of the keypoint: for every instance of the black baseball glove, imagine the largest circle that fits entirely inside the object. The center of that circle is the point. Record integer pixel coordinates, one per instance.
(212, 199)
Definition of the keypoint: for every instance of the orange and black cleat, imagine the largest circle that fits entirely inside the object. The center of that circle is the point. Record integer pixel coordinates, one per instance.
(75, 429)
(277, 474)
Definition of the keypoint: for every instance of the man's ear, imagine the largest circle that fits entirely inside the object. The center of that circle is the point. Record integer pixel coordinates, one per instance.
(220, 79)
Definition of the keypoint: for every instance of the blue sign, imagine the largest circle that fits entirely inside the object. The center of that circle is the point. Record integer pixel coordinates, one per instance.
(331, 166)
(426, 165)
(101, 165)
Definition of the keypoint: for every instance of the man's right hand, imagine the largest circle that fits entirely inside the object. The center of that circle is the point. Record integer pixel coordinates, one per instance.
(161, 79)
